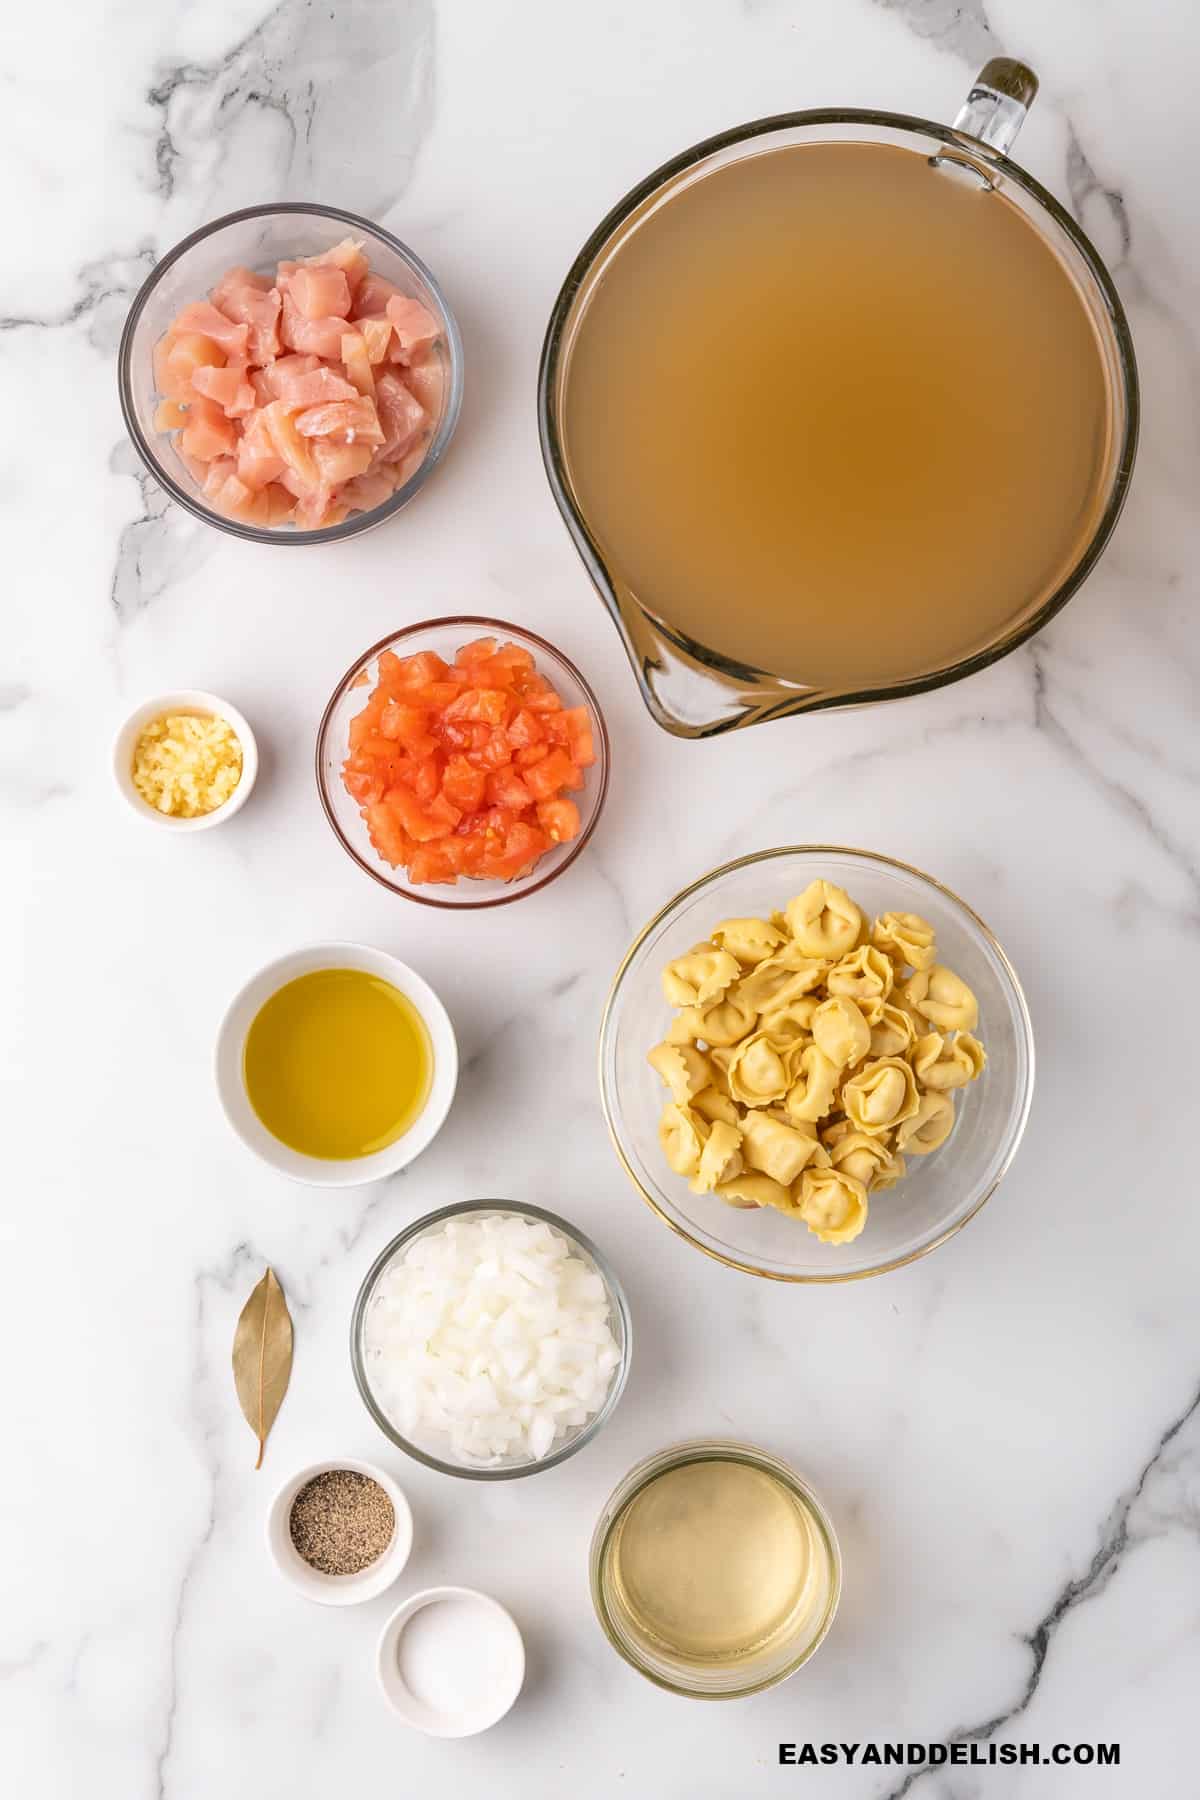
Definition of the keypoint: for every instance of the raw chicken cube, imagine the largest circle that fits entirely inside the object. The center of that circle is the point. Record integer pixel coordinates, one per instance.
(319, 292)
(258, 461)
(349, 421)
(208, 433)
(294, 451)
(187, 354)
(256, 308)
(400, 414)
(349, 258)
(202, 316)
(315, 337)
(414, 325)
(340, 463)
(228, 387)
(427, 380)
(358, 363)
(313, 387)
(377, 336)
(371, 300)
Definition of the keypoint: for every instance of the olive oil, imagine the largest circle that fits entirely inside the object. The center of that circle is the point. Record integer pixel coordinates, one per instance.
(715, 1564)
(337, 1064)
(838, 414)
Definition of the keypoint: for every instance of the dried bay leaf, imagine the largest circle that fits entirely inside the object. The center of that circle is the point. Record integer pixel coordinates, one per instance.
(262, 1357)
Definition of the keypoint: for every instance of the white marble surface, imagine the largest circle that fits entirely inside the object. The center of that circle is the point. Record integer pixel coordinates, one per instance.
(1008, 1433)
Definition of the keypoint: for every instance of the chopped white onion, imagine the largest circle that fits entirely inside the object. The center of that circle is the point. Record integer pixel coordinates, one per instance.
(490, 1331)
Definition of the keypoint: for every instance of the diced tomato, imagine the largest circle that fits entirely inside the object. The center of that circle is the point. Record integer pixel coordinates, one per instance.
(461, 769)
(431, 863)
(436, 819)
(490, 748)
(490, 706)
(553, 772)
(525, 728)
(387, 835)
(478, 650)
(505, 788)
(408, 726)
(464, 785)
(521, 849)
(559, 819)
(419, 670)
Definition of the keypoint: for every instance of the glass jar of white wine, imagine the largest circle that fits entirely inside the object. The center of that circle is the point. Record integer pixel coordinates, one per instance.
(715, 1570)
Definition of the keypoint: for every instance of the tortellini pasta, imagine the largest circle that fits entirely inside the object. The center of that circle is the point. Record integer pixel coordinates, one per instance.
(811, 1095)
(833, 1205)
(929, 1126)
(894, 1033)
(721, 1158)
(824, 920)
(750, 940)
(840, 1032)
(682, 1136)
(947, 1002)
(809, 1053)
(940, 1063)
(780, 978)
(881, 1095)
(905, 938)
(868, 1159)
(747, 1191)
(864, 975)
(685, 1070)
(759, 1069)
(712, 1105)
(700, 977)
(775, 1149)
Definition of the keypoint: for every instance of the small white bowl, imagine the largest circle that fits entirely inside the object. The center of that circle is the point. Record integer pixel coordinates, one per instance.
(231, 1087)
(337, 1590)
(435, 1688)
(185, 700)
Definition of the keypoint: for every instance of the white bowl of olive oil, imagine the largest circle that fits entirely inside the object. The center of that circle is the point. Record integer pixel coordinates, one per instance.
(336, 1064)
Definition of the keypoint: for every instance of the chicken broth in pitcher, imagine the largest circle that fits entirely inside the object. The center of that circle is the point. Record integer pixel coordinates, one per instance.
(837, 413)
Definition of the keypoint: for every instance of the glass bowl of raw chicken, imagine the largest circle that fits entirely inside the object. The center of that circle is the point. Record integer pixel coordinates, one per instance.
(947, 1054)
(291, 374)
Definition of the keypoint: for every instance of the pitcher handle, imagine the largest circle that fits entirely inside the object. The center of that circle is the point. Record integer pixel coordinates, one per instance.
(994, 110)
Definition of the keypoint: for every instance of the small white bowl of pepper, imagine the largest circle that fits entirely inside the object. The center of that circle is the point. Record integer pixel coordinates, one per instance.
(340, 1532)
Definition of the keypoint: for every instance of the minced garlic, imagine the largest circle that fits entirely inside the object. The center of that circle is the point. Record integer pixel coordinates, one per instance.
(187, 764)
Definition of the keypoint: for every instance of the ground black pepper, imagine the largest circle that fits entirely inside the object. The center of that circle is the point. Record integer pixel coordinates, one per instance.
(341, 1522)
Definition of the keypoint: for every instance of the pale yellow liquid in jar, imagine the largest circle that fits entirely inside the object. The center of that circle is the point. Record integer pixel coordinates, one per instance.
(716, 1563)
(838, 414)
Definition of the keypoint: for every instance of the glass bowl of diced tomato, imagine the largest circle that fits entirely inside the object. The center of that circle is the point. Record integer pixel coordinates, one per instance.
(463, 762)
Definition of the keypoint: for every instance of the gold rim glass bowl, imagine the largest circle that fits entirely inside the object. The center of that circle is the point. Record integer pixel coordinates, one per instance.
(258, 238)
(445, 637)
(757, 1669)
(941, 1191)
(433, 1449)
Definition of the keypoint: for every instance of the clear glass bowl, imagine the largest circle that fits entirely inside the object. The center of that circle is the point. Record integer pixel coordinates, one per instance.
(941, 1191)
(432, 1450)
(445, 636)
(753, 1673)
(258, 238)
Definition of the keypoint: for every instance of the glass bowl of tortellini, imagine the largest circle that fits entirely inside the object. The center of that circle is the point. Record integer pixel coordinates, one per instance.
(816, 1063)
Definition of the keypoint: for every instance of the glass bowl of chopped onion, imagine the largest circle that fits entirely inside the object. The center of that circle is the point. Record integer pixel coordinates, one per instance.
(490, 1340)
(936, 1193)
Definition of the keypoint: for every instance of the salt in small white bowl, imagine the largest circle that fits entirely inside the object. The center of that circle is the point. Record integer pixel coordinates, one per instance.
(314, 1584)
(231, 1087)
(184, 700)
(487, 1629)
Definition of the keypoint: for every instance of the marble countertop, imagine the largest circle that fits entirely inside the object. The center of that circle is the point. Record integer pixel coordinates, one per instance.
(1008, 1432)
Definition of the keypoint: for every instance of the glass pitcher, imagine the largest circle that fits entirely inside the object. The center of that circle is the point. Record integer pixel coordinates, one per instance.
(689, 688)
